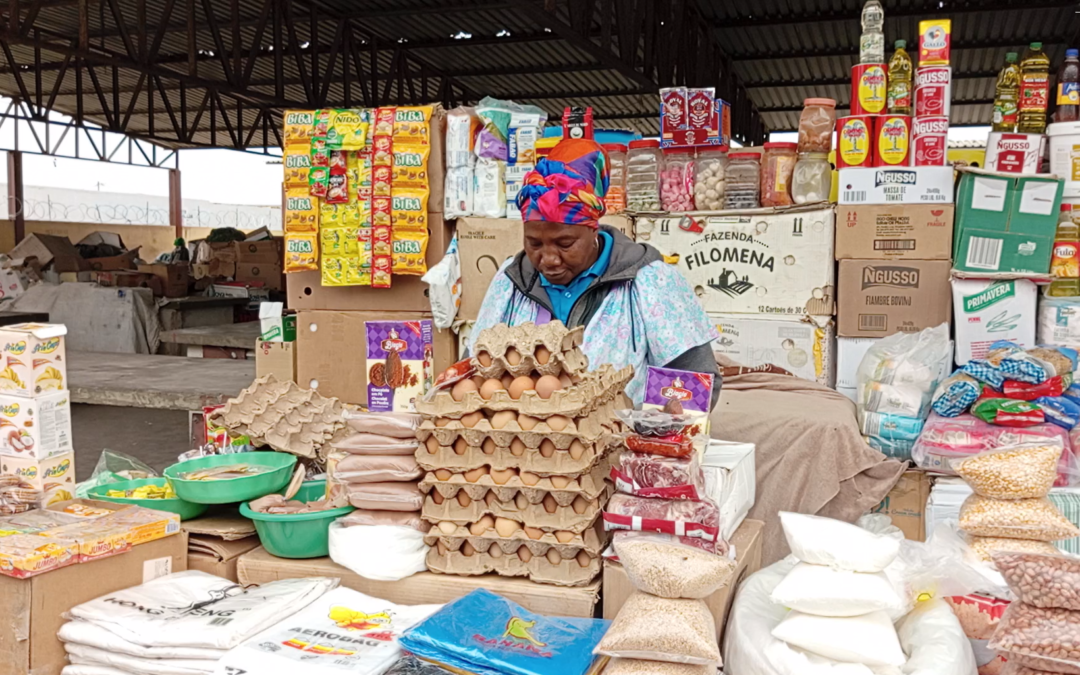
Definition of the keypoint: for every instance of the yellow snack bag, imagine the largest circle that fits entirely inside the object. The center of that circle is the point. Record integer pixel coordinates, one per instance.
(364, 255)
(337, 215)
(333, 270)
(338, 241)
(297, 168)
(411, 166)
(409, 209)
(410, 252)
(412, 125)
(301, 211)
(298, 126)
(348, 129)
(301, 251)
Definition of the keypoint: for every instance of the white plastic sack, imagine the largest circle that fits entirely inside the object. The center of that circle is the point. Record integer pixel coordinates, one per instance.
(342, 632)
(93, 635)
(195, 609)
(379, 552)
(933, 637)
(85, 669)
(445, 281)
(869, 639)
(81, 654)
(843, 546)
(816, 589)
(1059, 321)
(489, 188)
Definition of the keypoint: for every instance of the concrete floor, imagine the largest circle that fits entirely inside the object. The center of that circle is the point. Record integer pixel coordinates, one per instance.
(155, 437)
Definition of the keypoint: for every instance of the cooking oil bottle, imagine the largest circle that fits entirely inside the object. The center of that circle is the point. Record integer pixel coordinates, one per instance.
(1007, 96)
(900, 76)
(1034, 90)
(1065, 261)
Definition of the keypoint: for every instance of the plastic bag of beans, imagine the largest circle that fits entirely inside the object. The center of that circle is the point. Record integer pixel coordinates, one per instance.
(1016, 472)
(1039, 638)
(1042, 579)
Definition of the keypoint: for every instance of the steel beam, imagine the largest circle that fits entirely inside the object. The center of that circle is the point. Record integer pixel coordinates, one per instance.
(15, 193)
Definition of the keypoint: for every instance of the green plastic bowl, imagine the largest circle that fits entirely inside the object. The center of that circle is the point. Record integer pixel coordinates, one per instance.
(297, 535)
(232, 490)
(182, 508)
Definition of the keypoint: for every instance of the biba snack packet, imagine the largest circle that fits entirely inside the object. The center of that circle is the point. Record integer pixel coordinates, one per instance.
(301, 251)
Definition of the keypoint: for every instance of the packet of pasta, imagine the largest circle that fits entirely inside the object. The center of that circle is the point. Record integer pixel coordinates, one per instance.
(301, 252)
(301, 211)
(410, 252)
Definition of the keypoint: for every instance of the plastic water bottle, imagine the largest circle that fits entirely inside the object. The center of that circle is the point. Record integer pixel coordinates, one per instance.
(1068, 88)
(872, 42)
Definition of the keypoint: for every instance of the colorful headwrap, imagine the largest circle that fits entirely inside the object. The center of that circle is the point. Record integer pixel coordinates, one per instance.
(567, 186)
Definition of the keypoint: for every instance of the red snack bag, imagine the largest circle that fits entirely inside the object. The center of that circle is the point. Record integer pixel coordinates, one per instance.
(1023, 391)
(676, 445)
(700, 520)
(645, 475)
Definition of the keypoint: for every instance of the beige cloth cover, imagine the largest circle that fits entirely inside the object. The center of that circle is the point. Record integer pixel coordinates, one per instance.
(810, 455)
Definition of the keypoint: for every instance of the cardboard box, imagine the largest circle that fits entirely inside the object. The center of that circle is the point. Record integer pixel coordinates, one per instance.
(35, 607)
(849, 354)
(747, 543)
(331, 352)
(274, 324)
(38, 427)
(905, 504)
(804, 347)
(901, 185)
(114, 263)
(174, 278)
(223, 251)
(990, 310)
(267, 252)
(34, 358)
(277, 359)
(259, 567)
(44, 474)
(878, 298)
(484, 244)
(757, 263)
(48, 248)
(1006, 222)
(215, 543)
(894, 232)
(267, 275)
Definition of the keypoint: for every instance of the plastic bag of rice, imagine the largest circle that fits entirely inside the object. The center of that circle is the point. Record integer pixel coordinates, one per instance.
(660, 565)
(639, 667)
(663, 629)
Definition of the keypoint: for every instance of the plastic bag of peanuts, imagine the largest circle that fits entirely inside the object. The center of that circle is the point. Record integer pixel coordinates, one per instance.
(1041, 579)
(1014, 472)
(1035, 519)
(1039, 638)
(1014, 668)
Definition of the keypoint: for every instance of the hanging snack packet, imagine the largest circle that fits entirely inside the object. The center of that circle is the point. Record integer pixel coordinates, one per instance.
(380, 271)
(381, 212)
(410, 166)
(319, 181)
(320, 124)
(955, 394)
(409, 209)
(412, 125)
(297, 168)
(337, 190)
(1007, 412)
(301, 211)
(347, 129)
(298, 126)
(409, 252)
(301, 252)
(320, 153)
(381, 256)
(339, 241)
(364, 257)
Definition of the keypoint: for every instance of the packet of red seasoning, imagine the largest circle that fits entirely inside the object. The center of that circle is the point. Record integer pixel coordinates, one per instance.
(644, 475)
(1023, 391)
(676, 445)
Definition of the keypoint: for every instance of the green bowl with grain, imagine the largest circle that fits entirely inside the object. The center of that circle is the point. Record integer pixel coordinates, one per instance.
(272, 473)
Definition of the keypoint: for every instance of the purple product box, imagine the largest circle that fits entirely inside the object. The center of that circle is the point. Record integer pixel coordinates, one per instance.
(693, 390)
(400, 363)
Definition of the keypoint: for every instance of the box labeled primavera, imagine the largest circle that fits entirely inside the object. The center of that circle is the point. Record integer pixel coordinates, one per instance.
(764, 263)
(34, 359)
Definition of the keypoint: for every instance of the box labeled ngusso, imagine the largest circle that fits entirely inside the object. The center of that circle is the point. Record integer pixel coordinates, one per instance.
(879, 298)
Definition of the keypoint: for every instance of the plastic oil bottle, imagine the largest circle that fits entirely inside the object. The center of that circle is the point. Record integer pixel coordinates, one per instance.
(1007, 96)
(900, 77)
(872, 41)
(1034, 90)
(1068, 88)
(1065, 261)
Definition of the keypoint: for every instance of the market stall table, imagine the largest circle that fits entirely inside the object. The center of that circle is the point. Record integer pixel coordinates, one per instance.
(201, 341)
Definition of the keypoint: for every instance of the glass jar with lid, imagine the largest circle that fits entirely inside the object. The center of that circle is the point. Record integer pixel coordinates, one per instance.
(677, 180)
(742, 181)
(812, 179)
(816, 124)
(710, 167)
(643, 163)
(777, 165)
(615, 199)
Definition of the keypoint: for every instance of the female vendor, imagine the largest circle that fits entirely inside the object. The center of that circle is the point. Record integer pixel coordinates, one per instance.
(637, 309)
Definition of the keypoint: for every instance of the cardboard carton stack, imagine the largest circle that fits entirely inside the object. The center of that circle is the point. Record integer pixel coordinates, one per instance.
(517, 455)
(275, 350)
(35, 409)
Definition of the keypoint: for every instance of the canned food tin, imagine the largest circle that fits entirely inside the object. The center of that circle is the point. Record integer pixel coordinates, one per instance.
(868, 89)
(855, 141)
(1014, 153)
(892, 140)
(935, 39)
(929, 145)
(933, 91)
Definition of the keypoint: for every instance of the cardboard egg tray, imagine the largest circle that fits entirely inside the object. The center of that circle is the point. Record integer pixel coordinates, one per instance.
(519, 509)
(561, 463)
(588, 429)
(589, 486)
(596, 388)
(564, 346)
(592, 541)
(539, 569)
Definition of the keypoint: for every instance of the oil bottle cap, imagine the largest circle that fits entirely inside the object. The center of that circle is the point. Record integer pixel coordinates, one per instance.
(901, 44)
(1036, 46)
(1011, 57)
(1072, 53)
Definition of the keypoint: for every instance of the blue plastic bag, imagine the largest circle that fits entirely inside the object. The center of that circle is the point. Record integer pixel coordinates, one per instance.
(1060, 410)
(487, 634)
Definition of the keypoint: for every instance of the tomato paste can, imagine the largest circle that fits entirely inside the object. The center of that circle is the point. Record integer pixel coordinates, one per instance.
(1014, 153)
(892, 140)
(869, 88)
(930, 145)
(933, 91)
(855, 141)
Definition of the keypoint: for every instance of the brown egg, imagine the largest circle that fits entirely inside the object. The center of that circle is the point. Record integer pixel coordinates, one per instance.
(533, 532)
(547, 385)
(558, 422)
(524, 553)
(437, 497)
(443, 474)
(542, 354)
(550, 504)
(475, 474)
(481, 526)
(460, 446)
(502, 477)
(565, 381)
(488, 446)
(579, 505)
(442, 421)
(517, 447)
(560, 482)
(520, 385)
(441, 547)
(506, 379)
(489, 387)
(564, 537)
(521, 502)
(484, 359)
(528, 422)
(547, 448)
(553, 556)
(529, 478)
(490, 498)
(471, 419)
(512, 356)
(464, 499)
(462, 388)
(500, 419)
(506, 527)
(577, 450)
(478, 380)
(446, 527)
(584, 559)
(495, 552)
(467, 549)
(432, 445)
